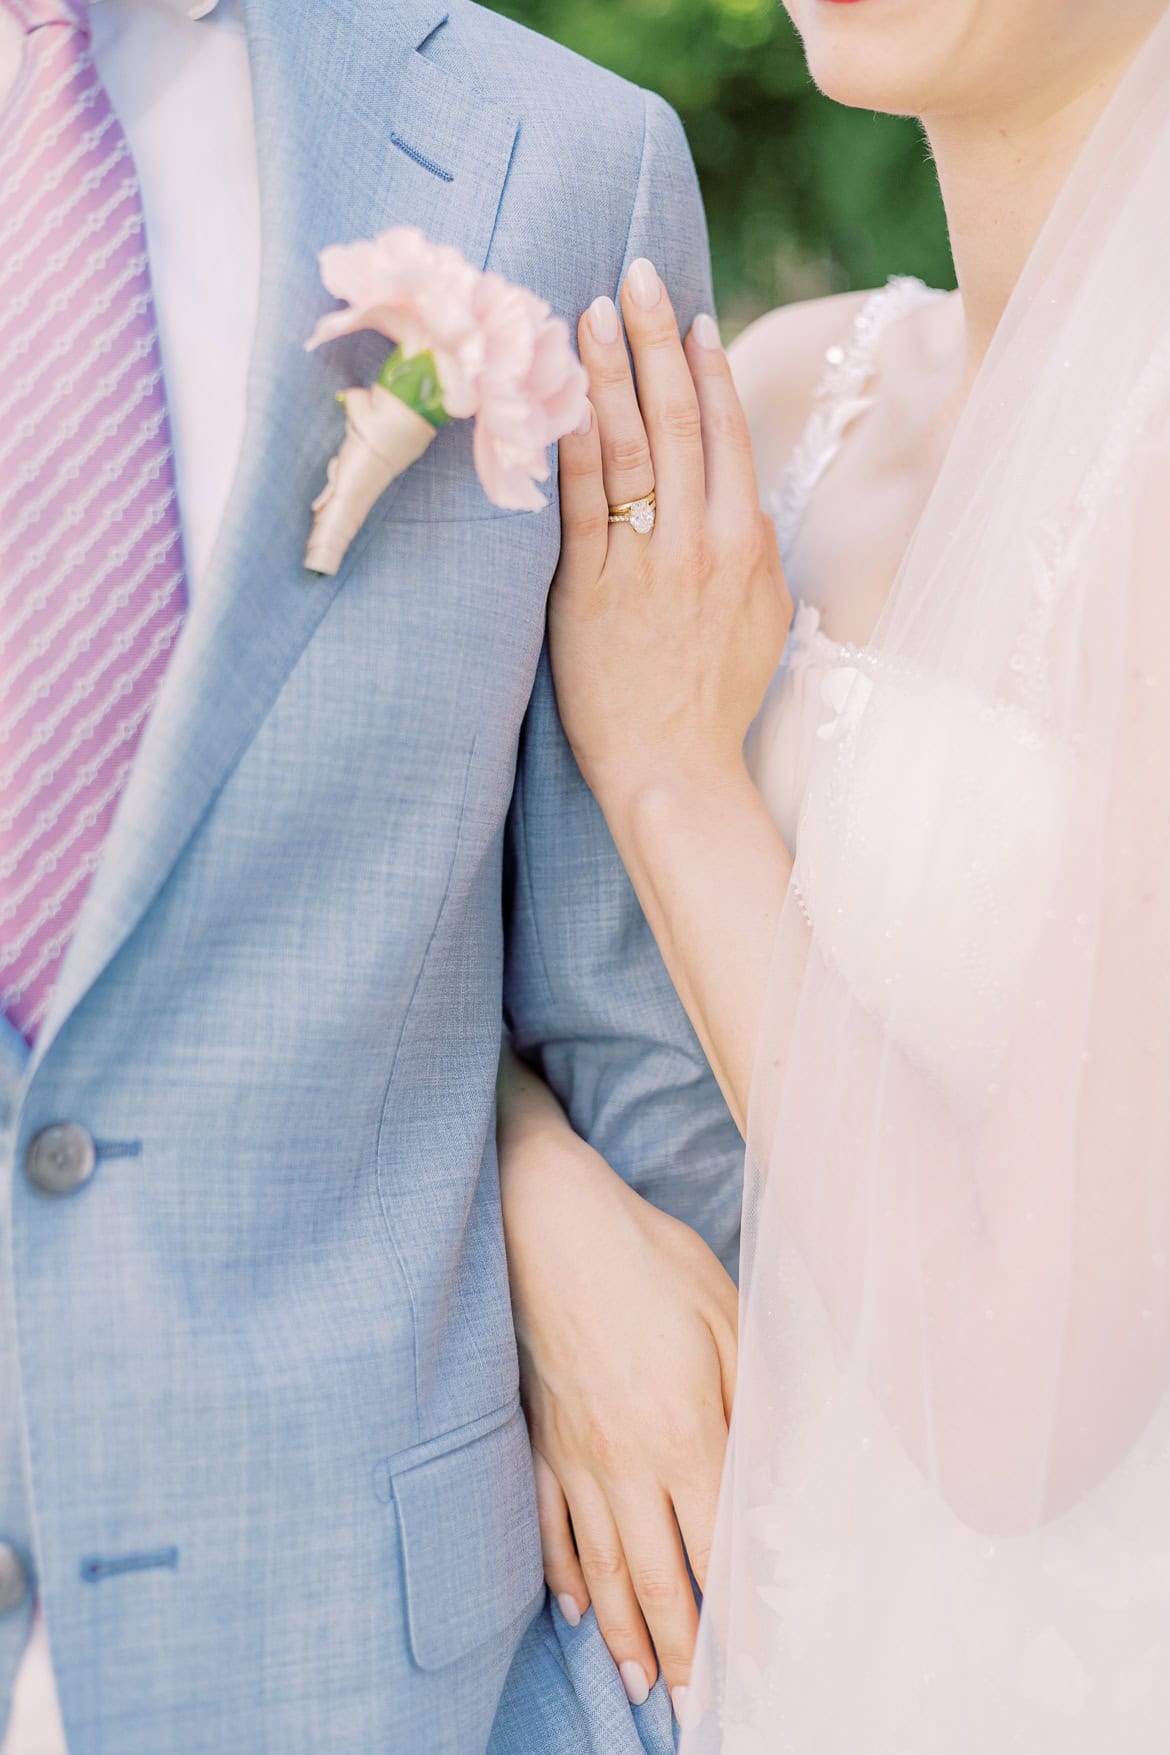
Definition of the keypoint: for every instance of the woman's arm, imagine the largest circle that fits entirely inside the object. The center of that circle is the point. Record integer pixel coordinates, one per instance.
(626, 1324)
(662, 648)
(699, 611)
(711, 871)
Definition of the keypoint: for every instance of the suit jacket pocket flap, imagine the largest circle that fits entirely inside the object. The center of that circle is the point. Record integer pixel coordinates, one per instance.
(470, 1542)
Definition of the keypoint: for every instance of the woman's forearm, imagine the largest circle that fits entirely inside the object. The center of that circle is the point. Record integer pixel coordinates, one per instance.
(711, 871)
(531, 1126)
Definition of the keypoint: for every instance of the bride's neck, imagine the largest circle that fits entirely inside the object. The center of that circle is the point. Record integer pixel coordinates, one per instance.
(1000, 175)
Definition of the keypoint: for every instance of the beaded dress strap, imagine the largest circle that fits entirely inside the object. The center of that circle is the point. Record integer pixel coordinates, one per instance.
(849, 367)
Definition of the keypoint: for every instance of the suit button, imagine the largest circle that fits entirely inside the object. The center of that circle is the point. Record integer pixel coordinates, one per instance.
(13, 1579)
(61, 1158)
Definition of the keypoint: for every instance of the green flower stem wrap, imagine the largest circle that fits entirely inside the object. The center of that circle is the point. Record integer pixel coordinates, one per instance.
(415, 381)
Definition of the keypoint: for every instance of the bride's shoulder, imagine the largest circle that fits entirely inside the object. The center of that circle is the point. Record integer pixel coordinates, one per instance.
(778, 364)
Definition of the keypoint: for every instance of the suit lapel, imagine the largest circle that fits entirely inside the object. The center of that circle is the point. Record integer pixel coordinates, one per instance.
(355, 131)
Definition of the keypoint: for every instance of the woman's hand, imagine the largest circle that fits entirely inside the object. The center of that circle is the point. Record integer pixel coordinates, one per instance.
(662, 645)
(662, 648)
(627, 1329)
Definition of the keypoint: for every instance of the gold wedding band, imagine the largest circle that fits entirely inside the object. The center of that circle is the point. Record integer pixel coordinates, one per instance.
(638, 514)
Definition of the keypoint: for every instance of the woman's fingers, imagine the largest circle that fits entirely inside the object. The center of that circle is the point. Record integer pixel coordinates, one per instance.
(666, 391)
(654, 436)
(696, 1495)
(584, 512)
(562, 1568)
(722, 1319)
(625, 450)
(727, 1344)
(657, 1567)
(615, 1604)
(732, 493)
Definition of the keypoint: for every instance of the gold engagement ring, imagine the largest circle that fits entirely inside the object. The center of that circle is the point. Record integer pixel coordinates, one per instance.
(638, 514)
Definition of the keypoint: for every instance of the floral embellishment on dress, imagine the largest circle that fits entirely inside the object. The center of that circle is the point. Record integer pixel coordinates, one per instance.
(845, 690)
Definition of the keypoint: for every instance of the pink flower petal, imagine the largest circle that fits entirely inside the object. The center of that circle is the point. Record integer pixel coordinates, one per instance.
(500, 354)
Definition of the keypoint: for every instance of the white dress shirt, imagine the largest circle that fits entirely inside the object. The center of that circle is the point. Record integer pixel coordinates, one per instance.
(178, 76)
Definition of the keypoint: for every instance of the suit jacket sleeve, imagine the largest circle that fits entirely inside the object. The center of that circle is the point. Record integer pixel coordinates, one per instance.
(587, 997)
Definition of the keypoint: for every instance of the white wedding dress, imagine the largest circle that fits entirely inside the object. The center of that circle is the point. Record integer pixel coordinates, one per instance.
(803, 699)
(852, 1567)
(994, 873)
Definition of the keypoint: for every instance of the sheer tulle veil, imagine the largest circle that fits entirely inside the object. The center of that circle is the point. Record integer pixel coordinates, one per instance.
(945, 1526)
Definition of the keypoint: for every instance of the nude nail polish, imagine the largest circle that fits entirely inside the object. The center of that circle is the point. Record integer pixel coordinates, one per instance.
(568, 1606)
(706, 331)
(685, 1707)
(635, 1683)
(603, 320)
(645, 286)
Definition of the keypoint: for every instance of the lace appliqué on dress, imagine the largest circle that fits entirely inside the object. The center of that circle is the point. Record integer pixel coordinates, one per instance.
(841, 397)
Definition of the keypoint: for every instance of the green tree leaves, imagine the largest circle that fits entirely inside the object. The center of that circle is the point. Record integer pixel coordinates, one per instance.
(803, 196)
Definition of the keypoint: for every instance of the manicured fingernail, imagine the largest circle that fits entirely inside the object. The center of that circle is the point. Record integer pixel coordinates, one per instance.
(644, 283)
(586, 421)
(565, 1603)
(685, 1708)
(706, 331)
(635, 1684)
(603, 320)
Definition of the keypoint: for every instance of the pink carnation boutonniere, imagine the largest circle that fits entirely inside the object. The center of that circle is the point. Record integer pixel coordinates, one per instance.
(469, 346)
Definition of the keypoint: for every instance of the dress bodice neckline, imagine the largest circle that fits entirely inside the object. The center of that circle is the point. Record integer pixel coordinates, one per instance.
(805, 700)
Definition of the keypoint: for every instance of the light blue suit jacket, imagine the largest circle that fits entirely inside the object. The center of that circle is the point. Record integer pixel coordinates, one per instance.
(260, 1441)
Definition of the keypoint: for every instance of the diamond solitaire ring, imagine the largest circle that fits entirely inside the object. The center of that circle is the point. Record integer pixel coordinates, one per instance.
(638, 514)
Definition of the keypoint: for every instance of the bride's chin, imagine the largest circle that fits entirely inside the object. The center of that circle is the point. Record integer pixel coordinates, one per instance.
(966, 57)
(887, 55)
(859, 84)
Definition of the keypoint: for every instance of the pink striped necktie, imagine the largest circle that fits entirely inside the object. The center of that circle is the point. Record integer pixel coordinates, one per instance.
(92, 591)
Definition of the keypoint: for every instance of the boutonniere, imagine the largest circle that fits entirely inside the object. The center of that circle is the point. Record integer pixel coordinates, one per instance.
(469, 346)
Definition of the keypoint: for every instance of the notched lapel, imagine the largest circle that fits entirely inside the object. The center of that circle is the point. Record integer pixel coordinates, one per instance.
(356, 130)
(450, 157)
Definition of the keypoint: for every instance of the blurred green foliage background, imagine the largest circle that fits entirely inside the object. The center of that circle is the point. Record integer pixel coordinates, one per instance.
(803, 197)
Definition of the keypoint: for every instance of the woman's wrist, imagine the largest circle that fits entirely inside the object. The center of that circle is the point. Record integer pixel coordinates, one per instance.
(539, 1153)
(531, 1126)
(652, 808)
(535, 1156)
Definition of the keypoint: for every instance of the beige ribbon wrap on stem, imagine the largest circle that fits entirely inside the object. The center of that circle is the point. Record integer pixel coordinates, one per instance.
(383, 438)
